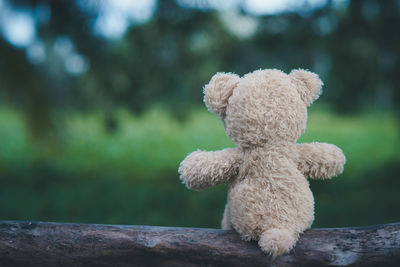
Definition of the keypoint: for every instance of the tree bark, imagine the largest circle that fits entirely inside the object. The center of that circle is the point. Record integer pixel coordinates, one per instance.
(24, 243)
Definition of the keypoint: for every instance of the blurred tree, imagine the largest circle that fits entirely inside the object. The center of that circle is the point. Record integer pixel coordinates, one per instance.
(167, 60)
(365, 52)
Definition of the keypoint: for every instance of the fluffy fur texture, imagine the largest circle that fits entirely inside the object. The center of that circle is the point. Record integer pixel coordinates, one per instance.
(264, 113)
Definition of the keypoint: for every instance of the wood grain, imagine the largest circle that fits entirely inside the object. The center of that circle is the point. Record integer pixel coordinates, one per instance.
(25, 243)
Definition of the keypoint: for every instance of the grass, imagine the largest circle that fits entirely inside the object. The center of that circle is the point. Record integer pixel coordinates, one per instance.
(130, 175)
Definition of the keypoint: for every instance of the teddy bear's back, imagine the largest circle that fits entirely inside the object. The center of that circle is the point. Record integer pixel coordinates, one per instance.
(269, 192)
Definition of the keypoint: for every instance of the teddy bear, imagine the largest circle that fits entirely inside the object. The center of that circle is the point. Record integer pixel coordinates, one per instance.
(269, 197)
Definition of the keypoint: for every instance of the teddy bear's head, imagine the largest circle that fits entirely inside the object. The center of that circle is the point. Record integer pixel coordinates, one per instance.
(263, 107)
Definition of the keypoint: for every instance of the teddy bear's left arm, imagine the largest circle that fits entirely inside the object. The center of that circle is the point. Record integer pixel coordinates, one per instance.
(320, 160)
(202, 169)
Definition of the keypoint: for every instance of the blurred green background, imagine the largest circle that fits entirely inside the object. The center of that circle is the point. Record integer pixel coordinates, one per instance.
(101, 100)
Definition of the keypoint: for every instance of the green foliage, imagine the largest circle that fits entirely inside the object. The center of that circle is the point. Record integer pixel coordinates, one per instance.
(167, 59)
(116, 167)
(129, 176)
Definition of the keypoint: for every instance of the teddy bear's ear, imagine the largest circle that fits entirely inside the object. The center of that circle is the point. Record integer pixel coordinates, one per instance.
(308, 85)
(218, 91)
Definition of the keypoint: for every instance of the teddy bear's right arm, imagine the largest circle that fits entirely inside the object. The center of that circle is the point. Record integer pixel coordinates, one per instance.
(202, 169)
(320, 160)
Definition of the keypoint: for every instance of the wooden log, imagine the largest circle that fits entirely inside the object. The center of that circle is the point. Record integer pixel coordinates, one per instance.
(25, 243)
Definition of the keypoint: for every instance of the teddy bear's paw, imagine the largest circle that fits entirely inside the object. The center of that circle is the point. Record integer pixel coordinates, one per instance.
(276, 242)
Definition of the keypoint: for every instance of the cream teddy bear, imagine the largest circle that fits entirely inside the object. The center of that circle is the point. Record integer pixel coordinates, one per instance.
(264, 113)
